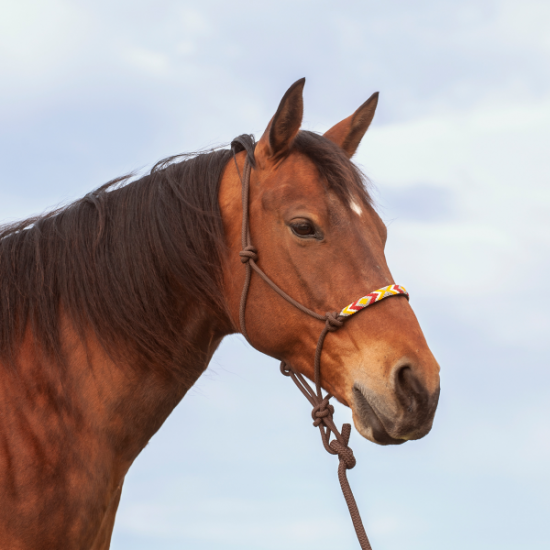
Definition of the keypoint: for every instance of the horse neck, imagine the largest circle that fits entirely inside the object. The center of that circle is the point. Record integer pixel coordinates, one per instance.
(137, 401)
(113, 404)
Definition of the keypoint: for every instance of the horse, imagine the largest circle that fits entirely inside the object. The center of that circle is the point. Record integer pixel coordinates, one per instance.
(112, 307)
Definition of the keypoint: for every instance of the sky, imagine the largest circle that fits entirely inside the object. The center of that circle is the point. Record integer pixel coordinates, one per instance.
(458, 159)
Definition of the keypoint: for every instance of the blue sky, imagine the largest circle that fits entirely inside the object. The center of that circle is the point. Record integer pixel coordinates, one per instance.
(458, 156)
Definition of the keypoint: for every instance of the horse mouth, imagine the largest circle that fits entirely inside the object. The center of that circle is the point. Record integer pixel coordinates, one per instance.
(369, 423)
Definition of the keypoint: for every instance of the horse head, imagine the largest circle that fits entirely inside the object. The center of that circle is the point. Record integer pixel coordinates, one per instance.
(321, 241)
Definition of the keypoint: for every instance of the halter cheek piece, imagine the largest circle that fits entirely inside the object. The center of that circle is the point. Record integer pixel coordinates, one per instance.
(322, 410)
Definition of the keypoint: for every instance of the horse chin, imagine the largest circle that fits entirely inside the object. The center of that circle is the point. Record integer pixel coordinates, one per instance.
(375, 432)
(368, 422)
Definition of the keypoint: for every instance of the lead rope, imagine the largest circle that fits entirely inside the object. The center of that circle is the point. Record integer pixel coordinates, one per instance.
(323, 411)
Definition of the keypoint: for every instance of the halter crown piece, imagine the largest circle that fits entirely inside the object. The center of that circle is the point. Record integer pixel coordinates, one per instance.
(322, 409)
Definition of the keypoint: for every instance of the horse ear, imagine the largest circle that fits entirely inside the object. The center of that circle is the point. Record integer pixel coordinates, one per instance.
(349, 132)
(284, 125)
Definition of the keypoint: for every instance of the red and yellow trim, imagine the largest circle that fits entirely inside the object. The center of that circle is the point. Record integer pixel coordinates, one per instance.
(372, 298)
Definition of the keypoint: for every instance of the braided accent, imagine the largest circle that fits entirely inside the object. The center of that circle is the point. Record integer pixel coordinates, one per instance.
(372, 298)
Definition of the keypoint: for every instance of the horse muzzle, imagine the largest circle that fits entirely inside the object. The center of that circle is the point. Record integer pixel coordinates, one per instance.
(404, 414)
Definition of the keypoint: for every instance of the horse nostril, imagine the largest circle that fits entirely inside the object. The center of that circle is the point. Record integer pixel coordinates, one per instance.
(410, 392)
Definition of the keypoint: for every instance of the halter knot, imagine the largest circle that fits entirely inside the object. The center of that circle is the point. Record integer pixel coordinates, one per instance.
(334, 321)
(285, 369)
(322, 410)
(249, 253)
(345, 454)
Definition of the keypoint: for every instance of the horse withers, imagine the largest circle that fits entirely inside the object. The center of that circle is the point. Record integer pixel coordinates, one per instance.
(112, 307)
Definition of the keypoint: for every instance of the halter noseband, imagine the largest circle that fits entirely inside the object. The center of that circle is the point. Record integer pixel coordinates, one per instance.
(322, 409)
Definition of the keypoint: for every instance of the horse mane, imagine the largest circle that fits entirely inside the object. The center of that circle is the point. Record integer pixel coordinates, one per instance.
(118, 260)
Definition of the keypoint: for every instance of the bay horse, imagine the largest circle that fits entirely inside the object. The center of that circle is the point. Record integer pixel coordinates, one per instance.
(112, 307)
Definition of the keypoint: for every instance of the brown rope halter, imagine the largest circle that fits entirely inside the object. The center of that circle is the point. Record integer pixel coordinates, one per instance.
(322, 410)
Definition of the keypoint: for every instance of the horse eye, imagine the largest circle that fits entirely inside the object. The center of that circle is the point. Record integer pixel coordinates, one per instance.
(303, 229)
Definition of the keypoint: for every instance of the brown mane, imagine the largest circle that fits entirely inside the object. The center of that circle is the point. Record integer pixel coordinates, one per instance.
(119, 260)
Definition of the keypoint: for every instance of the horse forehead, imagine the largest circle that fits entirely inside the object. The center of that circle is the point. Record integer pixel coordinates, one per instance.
(297, 180)
(294, 183)
(296, 170)
(311, 196)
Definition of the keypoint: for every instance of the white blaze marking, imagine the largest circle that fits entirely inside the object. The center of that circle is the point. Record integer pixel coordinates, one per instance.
(356, 208)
